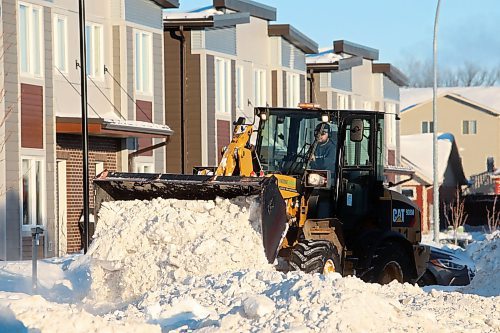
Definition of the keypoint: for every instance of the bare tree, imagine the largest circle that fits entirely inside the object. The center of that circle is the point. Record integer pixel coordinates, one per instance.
(455, 214)
(419, 73)
(493, 216)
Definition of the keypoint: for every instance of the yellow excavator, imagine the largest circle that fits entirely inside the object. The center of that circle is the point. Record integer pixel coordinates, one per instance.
(341, 217)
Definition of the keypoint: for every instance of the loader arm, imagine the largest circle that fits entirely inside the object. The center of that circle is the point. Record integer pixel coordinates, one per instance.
(237, 157)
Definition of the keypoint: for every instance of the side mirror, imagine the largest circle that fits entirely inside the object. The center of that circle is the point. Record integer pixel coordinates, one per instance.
(356, 134)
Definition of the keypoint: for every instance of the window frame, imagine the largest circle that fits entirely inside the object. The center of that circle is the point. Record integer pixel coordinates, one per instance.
(139, 58)
(391, 127)
(471, 130)
(260, 87)
(95, 72)
(141, 167)
(293, 90)
(30, 58)
(57, 45)
(223, 90)
(240, 86)
(429, 126)
(342, 101)
(32, 196)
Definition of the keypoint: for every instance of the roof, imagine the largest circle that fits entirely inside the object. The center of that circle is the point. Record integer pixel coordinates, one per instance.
(391, 72)
(255, 9)
(417, 153)
(107, 123)
(294, 36)
(487, 98)
(167, 3)
(343, 46)
(206, 18)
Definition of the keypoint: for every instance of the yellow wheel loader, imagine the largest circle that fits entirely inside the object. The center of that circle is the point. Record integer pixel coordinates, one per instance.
(324, 205)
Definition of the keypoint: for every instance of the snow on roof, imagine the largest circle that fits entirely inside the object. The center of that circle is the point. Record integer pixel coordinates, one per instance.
(488, 97)
(325, 56)
(200, 13)
(416, 151)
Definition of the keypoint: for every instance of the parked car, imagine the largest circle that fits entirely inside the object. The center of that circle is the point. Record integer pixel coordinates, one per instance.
(447, 268)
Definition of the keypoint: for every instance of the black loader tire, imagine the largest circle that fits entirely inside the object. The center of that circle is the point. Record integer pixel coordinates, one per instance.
(311, 256)
(390, 262)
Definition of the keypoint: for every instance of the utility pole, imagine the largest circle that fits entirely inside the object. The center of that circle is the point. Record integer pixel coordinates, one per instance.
(434, 132)
(85, 134)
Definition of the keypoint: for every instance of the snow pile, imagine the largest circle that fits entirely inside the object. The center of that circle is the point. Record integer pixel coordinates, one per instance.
(486, 255)
(139, 245)
(256, 301)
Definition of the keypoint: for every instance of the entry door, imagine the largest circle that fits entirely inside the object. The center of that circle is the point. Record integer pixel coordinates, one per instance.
(62, 209)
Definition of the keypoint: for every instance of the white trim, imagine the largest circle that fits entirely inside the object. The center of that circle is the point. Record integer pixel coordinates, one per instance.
(139, 83)
(62, 207)
(259, 87)
(32, 183)
(223, 93)
(57, 47)
(240, 88)
(95, 72)
(30, 58)
(292, 90)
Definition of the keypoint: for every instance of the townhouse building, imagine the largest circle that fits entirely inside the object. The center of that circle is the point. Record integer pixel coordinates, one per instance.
(220, 62)
(41, 155)
(347, 77)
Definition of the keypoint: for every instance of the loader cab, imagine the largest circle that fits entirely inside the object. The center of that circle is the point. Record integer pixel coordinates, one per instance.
(287, 139)
(360, 176)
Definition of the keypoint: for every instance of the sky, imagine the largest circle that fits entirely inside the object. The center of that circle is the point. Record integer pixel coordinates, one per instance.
(469, 31)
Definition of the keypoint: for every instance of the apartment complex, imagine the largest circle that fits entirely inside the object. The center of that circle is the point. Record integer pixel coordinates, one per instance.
(221, 62)
(40, 158)
(347, 77)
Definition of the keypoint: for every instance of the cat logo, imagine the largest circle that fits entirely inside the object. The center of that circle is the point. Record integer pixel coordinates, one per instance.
(398, 215)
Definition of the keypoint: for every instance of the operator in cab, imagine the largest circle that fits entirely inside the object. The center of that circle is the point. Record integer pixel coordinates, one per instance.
(326, 149)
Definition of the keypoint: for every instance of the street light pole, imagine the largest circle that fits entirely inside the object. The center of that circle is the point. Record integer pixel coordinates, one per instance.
(85, 134)
(434, 132)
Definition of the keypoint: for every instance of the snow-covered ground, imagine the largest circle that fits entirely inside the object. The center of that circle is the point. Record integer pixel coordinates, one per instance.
(169, 265)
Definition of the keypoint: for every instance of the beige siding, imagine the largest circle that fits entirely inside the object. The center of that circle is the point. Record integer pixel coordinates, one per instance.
(474, 149)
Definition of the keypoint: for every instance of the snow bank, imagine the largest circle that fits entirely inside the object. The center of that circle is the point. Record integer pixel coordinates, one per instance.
(139, 245)
(486, 255)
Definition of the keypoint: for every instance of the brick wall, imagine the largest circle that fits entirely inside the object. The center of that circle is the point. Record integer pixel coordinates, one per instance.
(69, 148)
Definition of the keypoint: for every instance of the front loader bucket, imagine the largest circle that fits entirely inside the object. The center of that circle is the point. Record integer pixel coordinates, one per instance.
(140, 186)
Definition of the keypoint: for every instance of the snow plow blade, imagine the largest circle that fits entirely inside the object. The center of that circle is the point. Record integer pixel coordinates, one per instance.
(139, 186)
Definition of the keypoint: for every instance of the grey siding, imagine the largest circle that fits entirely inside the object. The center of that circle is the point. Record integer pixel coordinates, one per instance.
(221, 40)
(302, 88)
(391, 90)
(158, 110)
(342, 80)
(284, 87)
(142, 12)
(130, 73)
(324, 80)
(233, 89)
(116, 68)
(212, 144)
(12, 130)
(286, 60)
(196, 39)
(299, 59)
(50, 140)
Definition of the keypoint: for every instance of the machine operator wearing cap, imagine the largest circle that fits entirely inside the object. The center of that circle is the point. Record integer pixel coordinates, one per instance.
(326, 150)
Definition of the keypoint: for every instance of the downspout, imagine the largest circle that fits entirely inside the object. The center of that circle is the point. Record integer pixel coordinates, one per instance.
(182, 52)
(310, 79)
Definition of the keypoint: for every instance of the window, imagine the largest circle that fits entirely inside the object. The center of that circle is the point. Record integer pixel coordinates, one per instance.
(367, 105)
(408, 192)
(143, 62)
(222, 85)
(358, 154)
(239, 88)
(259, 81)
(427, 127)
(293, 90)
(61, 43)
(391, 123)
(32, 192)
(144, 167)
(99, 167)
(469, 127)
(30, 39)
(94, 44)
(342, 102)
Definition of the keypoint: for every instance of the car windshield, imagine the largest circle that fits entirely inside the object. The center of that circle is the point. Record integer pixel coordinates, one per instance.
(287, 139)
